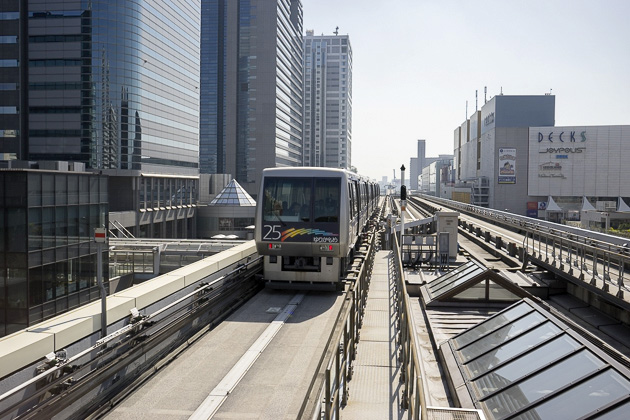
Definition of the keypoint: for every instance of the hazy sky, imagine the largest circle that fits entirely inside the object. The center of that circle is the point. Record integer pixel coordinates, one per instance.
(417, 62)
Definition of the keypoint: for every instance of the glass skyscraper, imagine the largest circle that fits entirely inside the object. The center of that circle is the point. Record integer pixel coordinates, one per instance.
(251, 87)
(327, 101)
(109, 85)
(112, 83)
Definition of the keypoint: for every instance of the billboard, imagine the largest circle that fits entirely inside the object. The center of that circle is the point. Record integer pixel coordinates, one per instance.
(507, 166)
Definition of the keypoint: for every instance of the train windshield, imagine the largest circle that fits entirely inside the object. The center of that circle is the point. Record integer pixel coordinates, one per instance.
(301, 199)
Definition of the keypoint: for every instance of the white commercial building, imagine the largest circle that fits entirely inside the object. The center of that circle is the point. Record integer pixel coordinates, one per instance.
(582, 169)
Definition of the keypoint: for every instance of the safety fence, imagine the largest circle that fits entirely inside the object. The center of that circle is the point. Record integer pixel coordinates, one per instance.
(328, 391)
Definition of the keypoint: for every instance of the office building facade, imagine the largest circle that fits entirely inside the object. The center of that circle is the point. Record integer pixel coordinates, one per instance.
(113, 85)
(251, 88)
(491, 149)
(327, 101)
(47, 251)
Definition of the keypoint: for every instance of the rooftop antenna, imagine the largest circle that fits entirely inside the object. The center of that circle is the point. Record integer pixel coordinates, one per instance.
(501, 90)
(476, 100)
(466, 109)
(485, 92)
(336, 30)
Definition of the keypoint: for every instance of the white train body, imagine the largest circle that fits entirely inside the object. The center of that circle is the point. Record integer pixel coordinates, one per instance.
(308, 221)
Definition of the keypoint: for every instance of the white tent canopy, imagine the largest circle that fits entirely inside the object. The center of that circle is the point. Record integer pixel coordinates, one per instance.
(622, 206)
(586, 205)
(552, 206)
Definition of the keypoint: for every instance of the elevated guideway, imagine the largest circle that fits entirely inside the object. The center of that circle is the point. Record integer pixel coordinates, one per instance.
(213, 379)
(370, 351)
(597, 264)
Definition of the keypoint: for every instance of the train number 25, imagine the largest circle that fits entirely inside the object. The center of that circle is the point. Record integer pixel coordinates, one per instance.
(272, 232)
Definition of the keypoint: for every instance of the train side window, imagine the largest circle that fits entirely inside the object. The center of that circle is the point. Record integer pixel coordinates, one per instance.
(352, 201)
(327, 195)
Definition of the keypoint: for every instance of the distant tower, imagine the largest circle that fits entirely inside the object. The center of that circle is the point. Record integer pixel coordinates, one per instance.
(327, 100)
(417, 164)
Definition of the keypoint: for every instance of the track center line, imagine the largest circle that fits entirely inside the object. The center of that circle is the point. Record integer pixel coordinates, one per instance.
(219, 394)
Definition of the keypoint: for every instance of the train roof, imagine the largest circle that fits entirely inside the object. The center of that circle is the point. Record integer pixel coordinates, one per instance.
(312, 171)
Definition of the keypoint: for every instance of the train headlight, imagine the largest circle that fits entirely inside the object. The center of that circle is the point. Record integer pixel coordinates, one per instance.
(275, 246)
(326, 248)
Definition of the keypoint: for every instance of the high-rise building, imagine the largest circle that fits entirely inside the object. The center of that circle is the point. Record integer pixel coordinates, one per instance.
(113, 85)
(417, 165)
(327, 100)
(110, 86)
(251, 87)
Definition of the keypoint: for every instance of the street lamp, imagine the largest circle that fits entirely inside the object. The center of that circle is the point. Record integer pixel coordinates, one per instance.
(403, 207)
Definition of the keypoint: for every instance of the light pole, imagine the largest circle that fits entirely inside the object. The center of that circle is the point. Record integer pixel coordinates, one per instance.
(100, 237)
(403, 207)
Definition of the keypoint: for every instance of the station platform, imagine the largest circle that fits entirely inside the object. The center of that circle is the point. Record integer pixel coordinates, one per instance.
(374, 391)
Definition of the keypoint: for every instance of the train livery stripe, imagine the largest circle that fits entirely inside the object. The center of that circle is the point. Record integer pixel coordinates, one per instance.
(290, 233)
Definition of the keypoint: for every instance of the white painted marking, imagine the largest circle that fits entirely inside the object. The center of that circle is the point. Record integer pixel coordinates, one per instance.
(219, 394)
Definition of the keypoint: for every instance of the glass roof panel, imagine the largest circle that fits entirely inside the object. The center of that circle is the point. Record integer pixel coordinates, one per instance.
(468, 270)
(500, 336)
(520, 344)
(233, 195)
(493, 323)
(547, 381)
(617, 413)
(455, 281)
(526, 364)
(474, 292)
(583, 398)
(498, 292)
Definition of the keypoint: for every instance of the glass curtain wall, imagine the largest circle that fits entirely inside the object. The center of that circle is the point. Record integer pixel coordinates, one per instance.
(47, 251)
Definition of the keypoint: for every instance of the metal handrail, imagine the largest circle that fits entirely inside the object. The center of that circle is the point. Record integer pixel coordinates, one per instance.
(547, 242)
(328, 390)
(412, 370)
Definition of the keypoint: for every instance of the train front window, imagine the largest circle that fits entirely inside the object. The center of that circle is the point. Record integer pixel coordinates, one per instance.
(327, 193)
(287, 199)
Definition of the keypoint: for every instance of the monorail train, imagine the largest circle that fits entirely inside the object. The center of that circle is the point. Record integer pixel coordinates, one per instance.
(308, 221)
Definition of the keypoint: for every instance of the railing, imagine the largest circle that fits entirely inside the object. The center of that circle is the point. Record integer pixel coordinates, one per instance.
(600, 260)
(411, 371)
(328, 390)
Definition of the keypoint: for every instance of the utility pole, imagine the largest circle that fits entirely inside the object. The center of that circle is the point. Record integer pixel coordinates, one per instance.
(403, 207)
(100, 237)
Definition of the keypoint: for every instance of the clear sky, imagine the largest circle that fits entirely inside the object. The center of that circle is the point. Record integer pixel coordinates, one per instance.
(417, 62)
